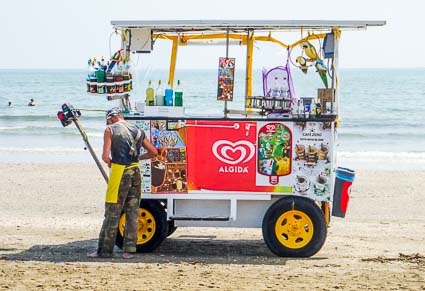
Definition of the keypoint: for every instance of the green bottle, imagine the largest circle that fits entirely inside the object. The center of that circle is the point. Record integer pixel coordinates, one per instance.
(150, 95)
(178, 95)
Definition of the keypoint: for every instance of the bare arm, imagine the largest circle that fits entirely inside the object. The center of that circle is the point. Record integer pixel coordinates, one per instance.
(152, 152)
(107, 141)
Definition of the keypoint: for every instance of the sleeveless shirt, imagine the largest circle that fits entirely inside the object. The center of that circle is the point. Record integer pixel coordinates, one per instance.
(121, 143)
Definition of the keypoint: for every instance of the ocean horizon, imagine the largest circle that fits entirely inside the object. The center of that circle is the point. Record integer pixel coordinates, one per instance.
(381, 124)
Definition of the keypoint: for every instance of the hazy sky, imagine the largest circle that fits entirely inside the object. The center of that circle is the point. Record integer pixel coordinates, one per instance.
(64, 34)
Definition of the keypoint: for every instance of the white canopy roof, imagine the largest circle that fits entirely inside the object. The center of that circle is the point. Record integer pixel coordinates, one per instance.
(244, 25)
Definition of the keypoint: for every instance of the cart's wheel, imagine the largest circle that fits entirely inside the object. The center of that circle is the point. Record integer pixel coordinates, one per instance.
(294, 227)
(171, 228)
(152, 228)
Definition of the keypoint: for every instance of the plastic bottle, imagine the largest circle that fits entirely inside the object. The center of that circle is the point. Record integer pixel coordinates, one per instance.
(318, 109)
(169, 95)
(118, 69)
(110, 85)
(88, 74)
(94, 63)
(300, 106)
(178, 95)
(88, 69)
(100, 75)
(118, 79)
(126, 76)
(275, 88)
(93, 80)
(103, 65)
(124, 66)
(92, 69)
(150, 95)
(283, 92)
(159, 97)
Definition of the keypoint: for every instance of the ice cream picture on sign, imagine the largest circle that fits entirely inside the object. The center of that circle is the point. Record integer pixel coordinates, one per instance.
(274, 151)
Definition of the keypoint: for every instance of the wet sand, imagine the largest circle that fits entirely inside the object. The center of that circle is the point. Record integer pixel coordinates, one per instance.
(50, 218)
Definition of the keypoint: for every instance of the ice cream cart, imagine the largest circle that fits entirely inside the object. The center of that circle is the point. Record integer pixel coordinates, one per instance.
(271, 165)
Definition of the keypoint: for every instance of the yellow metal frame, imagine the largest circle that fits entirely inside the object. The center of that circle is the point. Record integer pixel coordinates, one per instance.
(182, 40)
(325, 209)
(250, 48)
(173, 62)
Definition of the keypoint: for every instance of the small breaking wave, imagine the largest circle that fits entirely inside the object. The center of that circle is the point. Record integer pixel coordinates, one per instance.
(380, 160)
(382, 155)
(44, 150)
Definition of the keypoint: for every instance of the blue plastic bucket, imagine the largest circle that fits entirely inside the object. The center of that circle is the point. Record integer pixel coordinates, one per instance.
(343, 182)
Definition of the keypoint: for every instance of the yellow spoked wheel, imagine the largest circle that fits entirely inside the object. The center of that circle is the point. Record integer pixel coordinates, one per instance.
(146, 226)
(294, 226)
(152, 226)
(294, 229)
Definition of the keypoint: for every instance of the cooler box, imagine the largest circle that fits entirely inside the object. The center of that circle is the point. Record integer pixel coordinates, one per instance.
(343, 181)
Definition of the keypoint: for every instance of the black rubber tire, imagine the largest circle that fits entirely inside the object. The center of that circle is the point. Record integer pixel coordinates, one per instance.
(171, 228)
(158, 212)
(310, 209)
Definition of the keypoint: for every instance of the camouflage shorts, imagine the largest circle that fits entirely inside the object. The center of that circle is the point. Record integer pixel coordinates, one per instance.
(128, 201)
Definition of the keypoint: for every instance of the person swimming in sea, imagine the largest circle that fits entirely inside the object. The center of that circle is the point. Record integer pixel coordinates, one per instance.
(31, 103)
(10, 104)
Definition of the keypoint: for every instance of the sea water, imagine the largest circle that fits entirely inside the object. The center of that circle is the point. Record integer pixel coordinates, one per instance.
(382, 122)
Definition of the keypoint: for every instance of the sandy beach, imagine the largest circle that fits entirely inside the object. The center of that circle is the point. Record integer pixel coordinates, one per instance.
(50, 216)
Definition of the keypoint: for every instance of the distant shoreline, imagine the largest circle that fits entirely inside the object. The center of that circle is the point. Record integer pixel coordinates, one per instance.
(83, 69)
(77, 159)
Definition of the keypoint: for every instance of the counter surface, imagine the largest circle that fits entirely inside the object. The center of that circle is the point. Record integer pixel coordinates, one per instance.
(293, 118)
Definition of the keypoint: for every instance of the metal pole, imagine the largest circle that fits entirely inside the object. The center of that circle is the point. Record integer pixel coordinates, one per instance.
(93, 154)
(125, 45)
(335, 68)
(125, 102)
(227, 56)
(227, 43)
(248, 73)
(173, 61)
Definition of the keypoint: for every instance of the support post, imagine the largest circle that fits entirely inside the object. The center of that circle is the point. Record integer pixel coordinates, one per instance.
(248, 80)
(227, 56)
(337, 33)
(173, 61)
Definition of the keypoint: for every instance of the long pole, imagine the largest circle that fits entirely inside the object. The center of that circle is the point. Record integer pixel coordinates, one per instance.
(335, 69)
(227, 56)
(92, 152)
(173, 60)
(248, 77)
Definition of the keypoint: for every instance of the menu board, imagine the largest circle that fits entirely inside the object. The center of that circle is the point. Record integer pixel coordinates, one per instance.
(169, 167)
(312, 154)
(226, 77)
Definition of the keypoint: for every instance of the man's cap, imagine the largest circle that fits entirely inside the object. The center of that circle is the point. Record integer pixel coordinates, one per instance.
(113, 112)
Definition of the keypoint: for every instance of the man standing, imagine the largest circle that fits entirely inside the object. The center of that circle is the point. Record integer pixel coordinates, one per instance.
(121, 147)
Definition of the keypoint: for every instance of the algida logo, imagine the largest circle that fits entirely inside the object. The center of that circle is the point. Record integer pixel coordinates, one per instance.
(232, 154)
